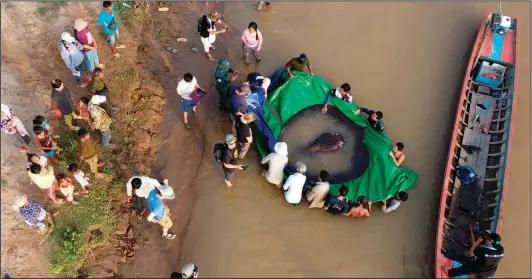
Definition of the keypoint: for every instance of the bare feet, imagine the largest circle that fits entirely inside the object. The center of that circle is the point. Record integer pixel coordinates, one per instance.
(228, 184)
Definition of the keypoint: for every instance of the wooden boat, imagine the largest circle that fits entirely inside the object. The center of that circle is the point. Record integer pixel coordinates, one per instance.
(484, 119)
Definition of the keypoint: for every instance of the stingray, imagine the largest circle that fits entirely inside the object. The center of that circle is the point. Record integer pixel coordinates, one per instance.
(326, 142)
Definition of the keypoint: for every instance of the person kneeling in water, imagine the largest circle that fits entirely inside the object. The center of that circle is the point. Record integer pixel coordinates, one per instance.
(361, 209)
(277, 161)
(341, 92)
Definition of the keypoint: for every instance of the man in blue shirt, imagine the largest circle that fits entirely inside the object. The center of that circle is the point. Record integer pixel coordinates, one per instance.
(338, 205)
(239, 104)
(160, 212)
(108, 21)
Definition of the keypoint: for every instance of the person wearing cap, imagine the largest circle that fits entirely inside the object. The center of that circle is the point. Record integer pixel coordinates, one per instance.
(239, 104)
(277, 161)
(293, 186)
(61, 102)
(159, 212)
(243, 132)
(487, 252)
(142, 186)
(109, 23)
(73, 58)
(223, 77)
(87, 153)
(84, 37)
(33, 213)
(207, 30)
(188, 270)
(230, 160)
(101, 121)
(341, 92)
(185, 88)
(258, 82)
(297, 64)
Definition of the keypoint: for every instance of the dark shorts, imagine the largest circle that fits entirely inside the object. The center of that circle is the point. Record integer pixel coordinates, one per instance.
(229, 175)
(187, 104)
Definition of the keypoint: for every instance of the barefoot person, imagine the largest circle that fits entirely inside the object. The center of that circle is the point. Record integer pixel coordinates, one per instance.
(318, 194)
(87, 153)
(109, 23)
(84, 36)
(207, 30)
(397, 153)
(252, 42)
(33, 213)
(185, 88)
(276, 161)
(298, 64)
(159, 212)
(338, 204)
(361, 209)
(341, 92)
(230, 160)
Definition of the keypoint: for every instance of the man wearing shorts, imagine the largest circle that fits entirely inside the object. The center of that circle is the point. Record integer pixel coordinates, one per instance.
(160, 213)
(108, 21)
(185, 88)
(62, 103)
(208, 31)
(230, 159)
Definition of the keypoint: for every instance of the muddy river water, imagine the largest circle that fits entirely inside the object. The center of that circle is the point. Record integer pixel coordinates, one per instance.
(406, 59)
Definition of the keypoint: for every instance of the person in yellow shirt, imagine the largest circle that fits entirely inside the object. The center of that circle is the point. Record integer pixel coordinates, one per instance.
(44, 178)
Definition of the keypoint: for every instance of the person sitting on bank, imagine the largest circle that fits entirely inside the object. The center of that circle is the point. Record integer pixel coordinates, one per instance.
(487, 252)
(341, 92)
(393, 203)
(277, 161)
(293, 186)
(297, 64)
(360, 209)
(230, 160)
(397, 153)
(317, 195)
(338, 204)
(374, 118)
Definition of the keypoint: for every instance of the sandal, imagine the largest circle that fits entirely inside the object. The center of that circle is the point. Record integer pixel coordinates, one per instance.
(195, 114)
(116, 55)
(193, 48)
(212, 47)
(171, 49)
(169, 236)
(121, 46)
(210, 58)
(188, 126)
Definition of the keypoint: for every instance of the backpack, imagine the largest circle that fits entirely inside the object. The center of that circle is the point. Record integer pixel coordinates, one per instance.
(200, 23)
(219, 151)
(466, 174)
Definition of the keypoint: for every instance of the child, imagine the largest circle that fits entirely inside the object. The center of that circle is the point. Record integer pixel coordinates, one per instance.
(41, 121)
(80, 177)
(36, 159)
(66, 188)
(83, 108)
(46, 143)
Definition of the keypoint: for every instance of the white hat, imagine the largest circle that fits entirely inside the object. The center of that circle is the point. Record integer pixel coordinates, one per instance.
(19, 201)
(167, 192)
(67, 37)
(98, 99)
(281, 148)
(80, 24)
(188, 269)
(301, 168)
(230, 139)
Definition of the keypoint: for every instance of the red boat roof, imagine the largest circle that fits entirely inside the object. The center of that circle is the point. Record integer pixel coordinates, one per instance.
(500, 47)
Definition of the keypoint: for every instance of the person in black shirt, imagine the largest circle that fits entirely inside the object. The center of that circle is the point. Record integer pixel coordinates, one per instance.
(207, 30)
(338, 205)
(230, 159)
(243, 133)
(487, 252)
(374, 118)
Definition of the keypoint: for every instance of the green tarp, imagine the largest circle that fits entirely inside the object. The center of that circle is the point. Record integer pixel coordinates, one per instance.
(382, 180)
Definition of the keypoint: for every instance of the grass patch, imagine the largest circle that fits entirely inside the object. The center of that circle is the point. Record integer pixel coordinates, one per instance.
(50, 6)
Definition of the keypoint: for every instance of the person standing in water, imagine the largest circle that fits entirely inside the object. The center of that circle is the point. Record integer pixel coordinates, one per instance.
(261, 3)
(297, 64)
(341, 92)
(207, 30)
(252, 42)
(277, 161)
(223, 77)
(397, 153)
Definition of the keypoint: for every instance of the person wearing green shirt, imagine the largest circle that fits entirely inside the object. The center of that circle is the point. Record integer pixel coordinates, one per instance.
(223, 76)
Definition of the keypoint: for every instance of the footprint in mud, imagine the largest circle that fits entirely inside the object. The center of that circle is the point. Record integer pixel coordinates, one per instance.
(221, 123)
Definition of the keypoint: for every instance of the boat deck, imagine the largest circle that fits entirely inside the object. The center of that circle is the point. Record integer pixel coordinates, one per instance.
(500, 47)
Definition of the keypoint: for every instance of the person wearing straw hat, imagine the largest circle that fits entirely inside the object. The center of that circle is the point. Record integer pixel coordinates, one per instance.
(277, 161)
(230, 159)
(293, 186)
(101, 120)
(84, 36)
(243, 132)
(33, 213)
(73, 58)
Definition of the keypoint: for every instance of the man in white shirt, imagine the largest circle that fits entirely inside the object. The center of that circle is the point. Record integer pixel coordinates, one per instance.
(185, 88)
(143, 186)
(392, 204)
(277, 162)
(294, 184)
(341, 92)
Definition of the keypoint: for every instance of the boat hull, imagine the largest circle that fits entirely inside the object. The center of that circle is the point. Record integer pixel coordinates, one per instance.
(484, 49)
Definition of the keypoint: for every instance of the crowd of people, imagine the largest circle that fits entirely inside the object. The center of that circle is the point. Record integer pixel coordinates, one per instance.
(79, 52)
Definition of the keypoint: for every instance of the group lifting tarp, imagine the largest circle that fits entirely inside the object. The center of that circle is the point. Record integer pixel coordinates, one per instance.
(382, 179)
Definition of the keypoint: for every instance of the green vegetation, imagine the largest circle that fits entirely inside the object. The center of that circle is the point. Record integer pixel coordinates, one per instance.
(50, 6)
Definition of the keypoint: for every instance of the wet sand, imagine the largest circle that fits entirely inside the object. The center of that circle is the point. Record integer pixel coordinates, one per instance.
(406, 59)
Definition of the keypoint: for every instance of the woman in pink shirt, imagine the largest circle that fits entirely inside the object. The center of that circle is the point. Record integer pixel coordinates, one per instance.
(252, 39)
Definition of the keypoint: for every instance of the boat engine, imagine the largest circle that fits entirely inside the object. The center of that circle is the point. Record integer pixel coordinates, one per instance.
(500, 24)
